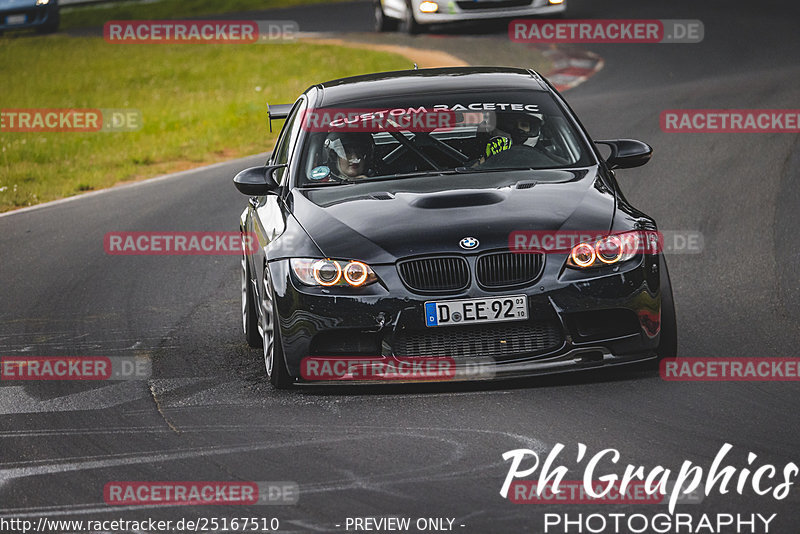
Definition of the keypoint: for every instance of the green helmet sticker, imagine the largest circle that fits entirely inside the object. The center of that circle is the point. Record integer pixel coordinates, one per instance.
(497, 145)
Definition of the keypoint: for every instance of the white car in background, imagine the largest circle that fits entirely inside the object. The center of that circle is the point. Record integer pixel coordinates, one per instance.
(414, 15)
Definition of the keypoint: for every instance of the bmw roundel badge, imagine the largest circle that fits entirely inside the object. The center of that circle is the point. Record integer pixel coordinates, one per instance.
(469, 243)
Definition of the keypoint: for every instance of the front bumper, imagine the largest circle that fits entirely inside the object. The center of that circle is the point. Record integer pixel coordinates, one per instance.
(577, 320)
(35, 17)
(454, 11)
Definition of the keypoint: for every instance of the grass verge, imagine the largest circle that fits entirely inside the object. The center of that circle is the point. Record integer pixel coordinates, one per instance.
(200, 103)
(91, 16)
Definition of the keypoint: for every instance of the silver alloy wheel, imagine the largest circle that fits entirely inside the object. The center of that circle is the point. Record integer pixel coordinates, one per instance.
(409, 19)
(268, 326)
(381, 22)
(245, 283)
(410, 24)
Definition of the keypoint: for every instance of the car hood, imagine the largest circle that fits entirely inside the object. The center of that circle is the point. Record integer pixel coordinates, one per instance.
(381, 222)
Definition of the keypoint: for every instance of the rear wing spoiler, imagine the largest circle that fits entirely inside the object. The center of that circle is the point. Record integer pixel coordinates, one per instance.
(277, 112)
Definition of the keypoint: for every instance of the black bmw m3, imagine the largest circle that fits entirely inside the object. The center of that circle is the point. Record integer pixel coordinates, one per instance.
(459, 213)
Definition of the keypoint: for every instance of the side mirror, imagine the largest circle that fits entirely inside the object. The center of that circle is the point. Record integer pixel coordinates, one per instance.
(257, 181)
(627, 153)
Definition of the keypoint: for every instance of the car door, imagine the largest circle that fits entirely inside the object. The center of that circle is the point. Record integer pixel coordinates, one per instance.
(267, 212)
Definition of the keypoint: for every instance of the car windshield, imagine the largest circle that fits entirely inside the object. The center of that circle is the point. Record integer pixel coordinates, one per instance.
(438, 135)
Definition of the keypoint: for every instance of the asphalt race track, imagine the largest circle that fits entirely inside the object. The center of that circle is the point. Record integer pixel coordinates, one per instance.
(208, 413)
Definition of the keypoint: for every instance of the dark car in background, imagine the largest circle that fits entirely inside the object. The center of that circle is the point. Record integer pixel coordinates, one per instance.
(379, 238)
(40, 15)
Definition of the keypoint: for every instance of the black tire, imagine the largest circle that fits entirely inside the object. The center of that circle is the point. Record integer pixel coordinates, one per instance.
(52, 24)
(382, 23)
(279, 378)
(249, 315)
(668, 344)
(410, 24)
(274, 361)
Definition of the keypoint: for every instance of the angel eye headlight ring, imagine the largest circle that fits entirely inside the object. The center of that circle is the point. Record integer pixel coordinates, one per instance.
(356, 273)
(327, 272)
(609, 249)
(583, 254)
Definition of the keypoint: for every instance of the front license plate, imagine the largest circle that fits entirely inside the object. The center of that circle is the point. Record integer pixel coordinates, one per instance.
(473, 311)
(15, 19)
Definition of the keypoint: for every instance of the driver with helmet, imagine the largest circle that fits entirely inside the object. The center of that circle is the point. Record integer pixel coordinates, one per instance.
(517, 131)
(350, 154)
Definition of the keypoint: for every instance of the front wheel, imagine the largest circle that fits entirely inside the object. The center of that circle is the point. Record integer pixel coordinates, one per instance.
(274, 361)
(381, 22)
(668, 344)
(249, 316)
(410, 24)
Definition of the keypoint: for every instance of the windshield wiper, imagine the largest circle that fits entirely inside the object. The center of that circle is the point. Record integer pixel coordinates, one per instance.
(405, 175)
(340, 181)
(468, 170)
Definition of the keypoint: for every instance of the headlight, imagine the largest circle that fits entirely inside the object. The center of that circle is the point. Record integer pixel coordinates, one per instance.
(609, 250)
(42, 2)
(429, 7)
(583, 255)
(328, 273)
